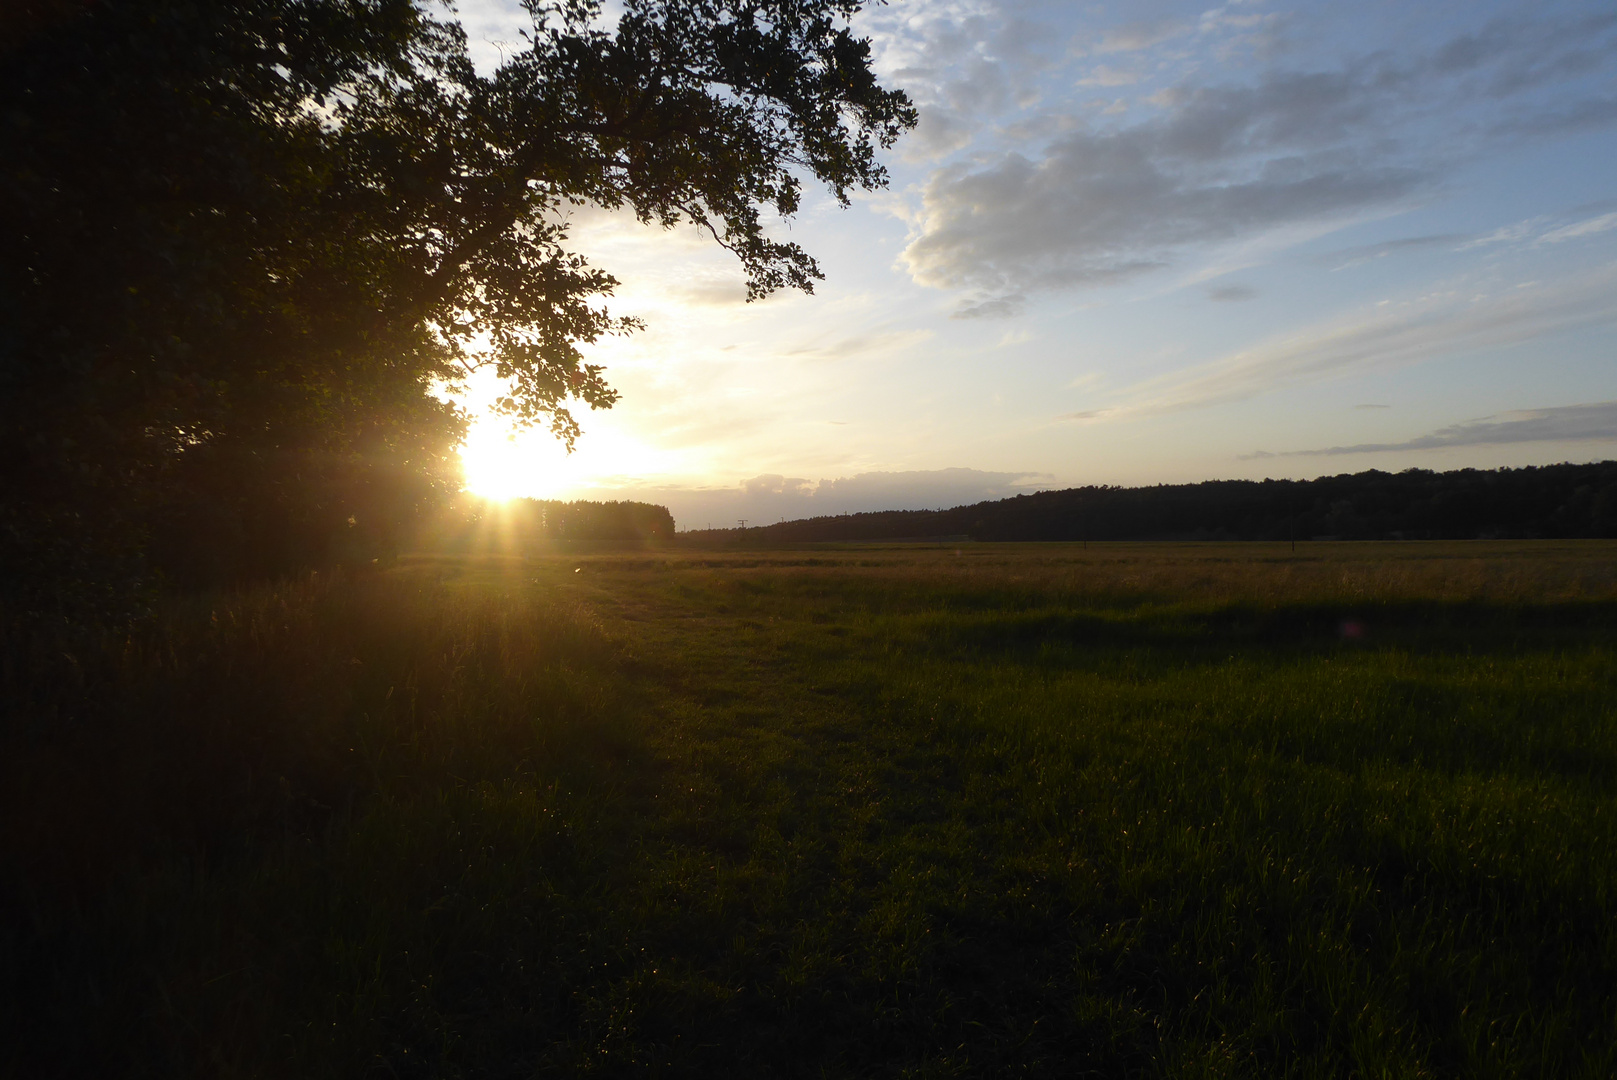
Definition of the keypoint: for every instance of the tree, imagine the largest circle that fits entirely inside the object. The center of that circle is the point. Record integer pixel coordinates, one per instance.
(249, 240)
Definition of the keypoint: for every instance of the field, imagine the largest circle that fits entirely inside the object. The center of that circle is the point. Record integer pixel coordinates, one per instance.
(1032, 810)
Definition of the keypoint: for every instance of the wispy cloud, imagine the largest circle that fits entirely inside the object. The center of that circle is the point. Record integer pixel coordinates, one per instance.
(1358, 256)
(1565, 423)
(878, 341)
(1390, 336)
(1580, 228)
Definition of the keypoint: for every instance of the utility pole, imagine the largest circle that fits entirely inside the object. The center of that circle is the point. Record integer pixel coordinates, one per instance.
(741, 522)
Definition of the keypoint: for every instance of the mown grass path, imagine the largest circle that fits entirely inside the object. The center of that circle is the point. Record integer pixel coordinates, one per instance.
(893, 811)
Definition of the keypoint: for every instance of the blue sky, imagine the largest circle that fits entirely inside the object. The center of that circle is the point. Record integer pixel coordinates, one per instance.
(1140, 243)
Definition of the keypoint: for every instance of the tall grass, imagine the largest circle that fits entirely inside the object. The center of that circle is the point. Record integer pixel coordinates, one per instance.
(1135, 809)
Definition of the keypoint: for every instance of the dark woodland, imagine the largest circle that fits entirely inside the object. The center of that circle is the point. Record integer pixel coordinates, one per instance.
(1551, 501)
(542, 526)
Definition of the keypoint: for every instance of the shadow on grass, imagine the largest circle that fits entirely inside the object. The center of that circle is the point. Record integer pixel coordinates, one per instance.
(1179, 634)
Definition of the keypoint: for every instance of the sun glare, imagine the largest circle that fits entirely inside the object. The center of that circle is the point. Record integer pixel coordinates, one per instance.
(500, 466)
(533, 464)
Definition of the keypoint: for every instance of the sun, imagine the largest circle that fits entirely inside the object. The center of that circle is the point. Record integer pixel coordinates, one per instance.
(499, 465)
(502, 464)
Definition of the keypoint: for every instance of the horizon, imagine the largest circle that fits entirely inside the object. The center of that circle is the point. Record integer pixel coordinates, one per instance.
(817, 513)
(1162, 245)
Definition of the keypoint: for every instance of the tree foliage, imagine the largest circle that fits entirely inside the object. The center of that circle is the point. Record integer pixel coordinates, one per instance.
(250, 241)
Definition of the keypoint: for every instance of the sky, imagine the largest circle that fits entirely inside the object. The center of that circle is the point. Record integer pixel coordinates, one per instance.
(1137, 243)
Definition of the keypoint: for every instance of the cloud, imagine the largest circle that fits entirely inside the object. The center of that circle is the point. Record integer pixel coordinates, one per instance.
(1387, 336)
(1565, 423)
(1232, 293)
(1535, 231)
(888, 341)
(1102, 208)
(1225, 163)
(1505, 234)
(771, 497)
(712, 292)
(1137, 36)
(1106, 75)
(1358, 256)
(1099, 207)
(939, 134)
(775, 484)
(962, 62)
(1579, 229)
(1002, 307)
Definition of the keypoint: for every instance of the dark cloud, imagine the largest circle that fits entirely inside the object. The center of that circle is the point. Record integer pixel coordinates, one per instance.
(1566, 423)
(1232, 293)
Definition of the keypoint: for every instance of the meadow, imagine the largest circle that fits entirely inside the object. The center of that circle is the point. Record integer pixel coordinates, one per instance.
(1190, 810)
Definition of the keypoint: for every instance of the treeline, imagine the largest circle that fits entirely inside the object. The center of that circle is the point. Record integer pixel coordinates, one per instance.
(1416, 504)
(523, 526)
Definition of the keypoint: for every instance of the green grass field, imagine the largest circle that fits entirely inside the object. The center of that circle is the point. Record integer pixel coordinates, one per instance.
(1033, 810)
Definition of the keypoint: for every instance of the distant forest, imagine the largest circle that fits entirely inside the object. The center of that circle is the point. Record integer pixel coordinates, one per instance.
(1416, 504)
(528, 525)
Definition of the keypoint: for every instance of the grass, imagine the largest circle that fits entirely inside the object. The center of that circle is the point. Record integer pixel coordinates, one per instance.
(1165, 810)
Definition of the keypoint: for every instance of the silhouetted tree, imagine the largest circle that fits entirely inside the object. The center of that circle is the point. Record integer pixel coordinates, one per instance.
(246, 241)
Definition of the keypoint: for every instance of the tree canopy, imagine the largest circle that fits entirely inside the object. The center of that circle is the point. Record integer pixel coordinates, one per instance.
(249, 242)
